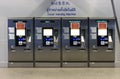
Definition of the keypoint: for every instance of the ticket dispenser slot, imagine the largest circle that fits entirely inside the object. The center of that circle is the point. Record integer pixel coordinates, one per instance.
(28, 38)
(55, 39)
(110, 39)
(83, 39)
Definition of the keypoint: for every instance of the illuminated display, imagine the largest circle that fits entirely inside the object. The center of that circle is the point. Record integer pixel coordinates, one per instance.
(20, 34)
(20, 29)
(47, 32)
(75, 31)
(47, 37)
(102, 28)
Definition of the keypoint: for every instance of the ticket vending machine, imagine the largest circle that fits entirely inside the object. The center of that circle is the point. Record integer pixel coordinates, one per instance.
(75, 42)
(102, 42)
(20, 42)
(47, 42)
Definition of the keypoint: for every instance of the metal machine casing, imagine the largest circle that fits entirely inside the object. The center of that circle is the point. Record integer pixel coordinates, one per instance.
(20, 55)
(102, 55)
(74, 55)
(47, 48)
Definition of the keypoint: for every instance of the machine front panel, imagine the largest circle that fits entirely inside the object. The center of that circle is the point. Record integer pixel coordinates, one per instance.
(47, 40)
(102, 40)
(20, 39)
(74, 39)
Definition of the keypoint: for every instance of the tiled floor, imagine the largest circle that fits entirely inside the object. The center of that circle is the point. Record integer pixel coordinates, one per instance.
(59, 73)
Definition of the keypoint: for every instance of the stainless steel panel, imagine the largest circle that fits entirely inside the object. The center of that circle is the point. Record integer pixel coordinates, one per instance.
(47, 64)
(20, 55)
(102, 56)
(20, 64)
(75, 55)
(47, 55)
(102, 64)
(75, 64)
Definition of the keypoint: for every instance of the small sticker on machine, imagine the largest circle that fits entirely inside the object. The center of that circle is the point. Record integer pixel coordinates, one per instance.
(11, 36)
(11, 30)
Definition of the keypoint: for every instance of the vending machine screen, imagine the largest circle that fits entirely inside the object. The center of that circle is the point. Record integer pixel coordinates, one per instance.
(48, 37)
(20, 34)
(102, 34)
(75, 34)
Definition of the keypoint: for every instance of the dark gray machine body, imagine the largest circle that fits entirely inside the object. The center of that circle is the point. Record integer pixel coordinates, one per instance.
(102, 42)
(20, 42)
(47, 42)
(75, 42)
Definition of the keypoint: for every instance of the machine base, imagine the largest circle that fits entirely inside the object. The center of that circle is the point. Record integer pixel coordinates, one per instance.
(102, 64)
(48, 64)
(75, 64)
(20, 64)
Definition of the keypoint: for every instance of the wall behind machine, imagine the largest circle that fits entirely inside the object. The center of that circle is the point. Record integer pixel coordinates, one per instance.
(37, 8)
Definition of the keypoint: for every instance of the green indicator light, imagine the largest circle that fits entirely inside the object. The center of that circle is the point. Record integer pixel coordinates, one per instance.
(101, 21)
(74, 21)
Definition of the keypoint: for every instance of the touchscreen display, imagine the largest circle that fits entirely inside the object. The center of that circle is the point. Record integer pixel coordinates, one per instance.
(20, 29)
(102, 28)
(47, 32)
(75, 31)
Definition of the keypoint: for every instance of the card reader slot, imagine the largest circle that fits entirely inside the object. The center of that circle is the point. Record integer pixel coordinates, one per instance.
(82, 38)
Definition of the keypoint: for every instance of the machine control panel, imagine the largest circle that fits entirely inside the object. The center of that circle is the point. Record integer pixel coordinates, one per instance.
(102, 34)
(20, 36)
(75, 39)
(48, 37)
